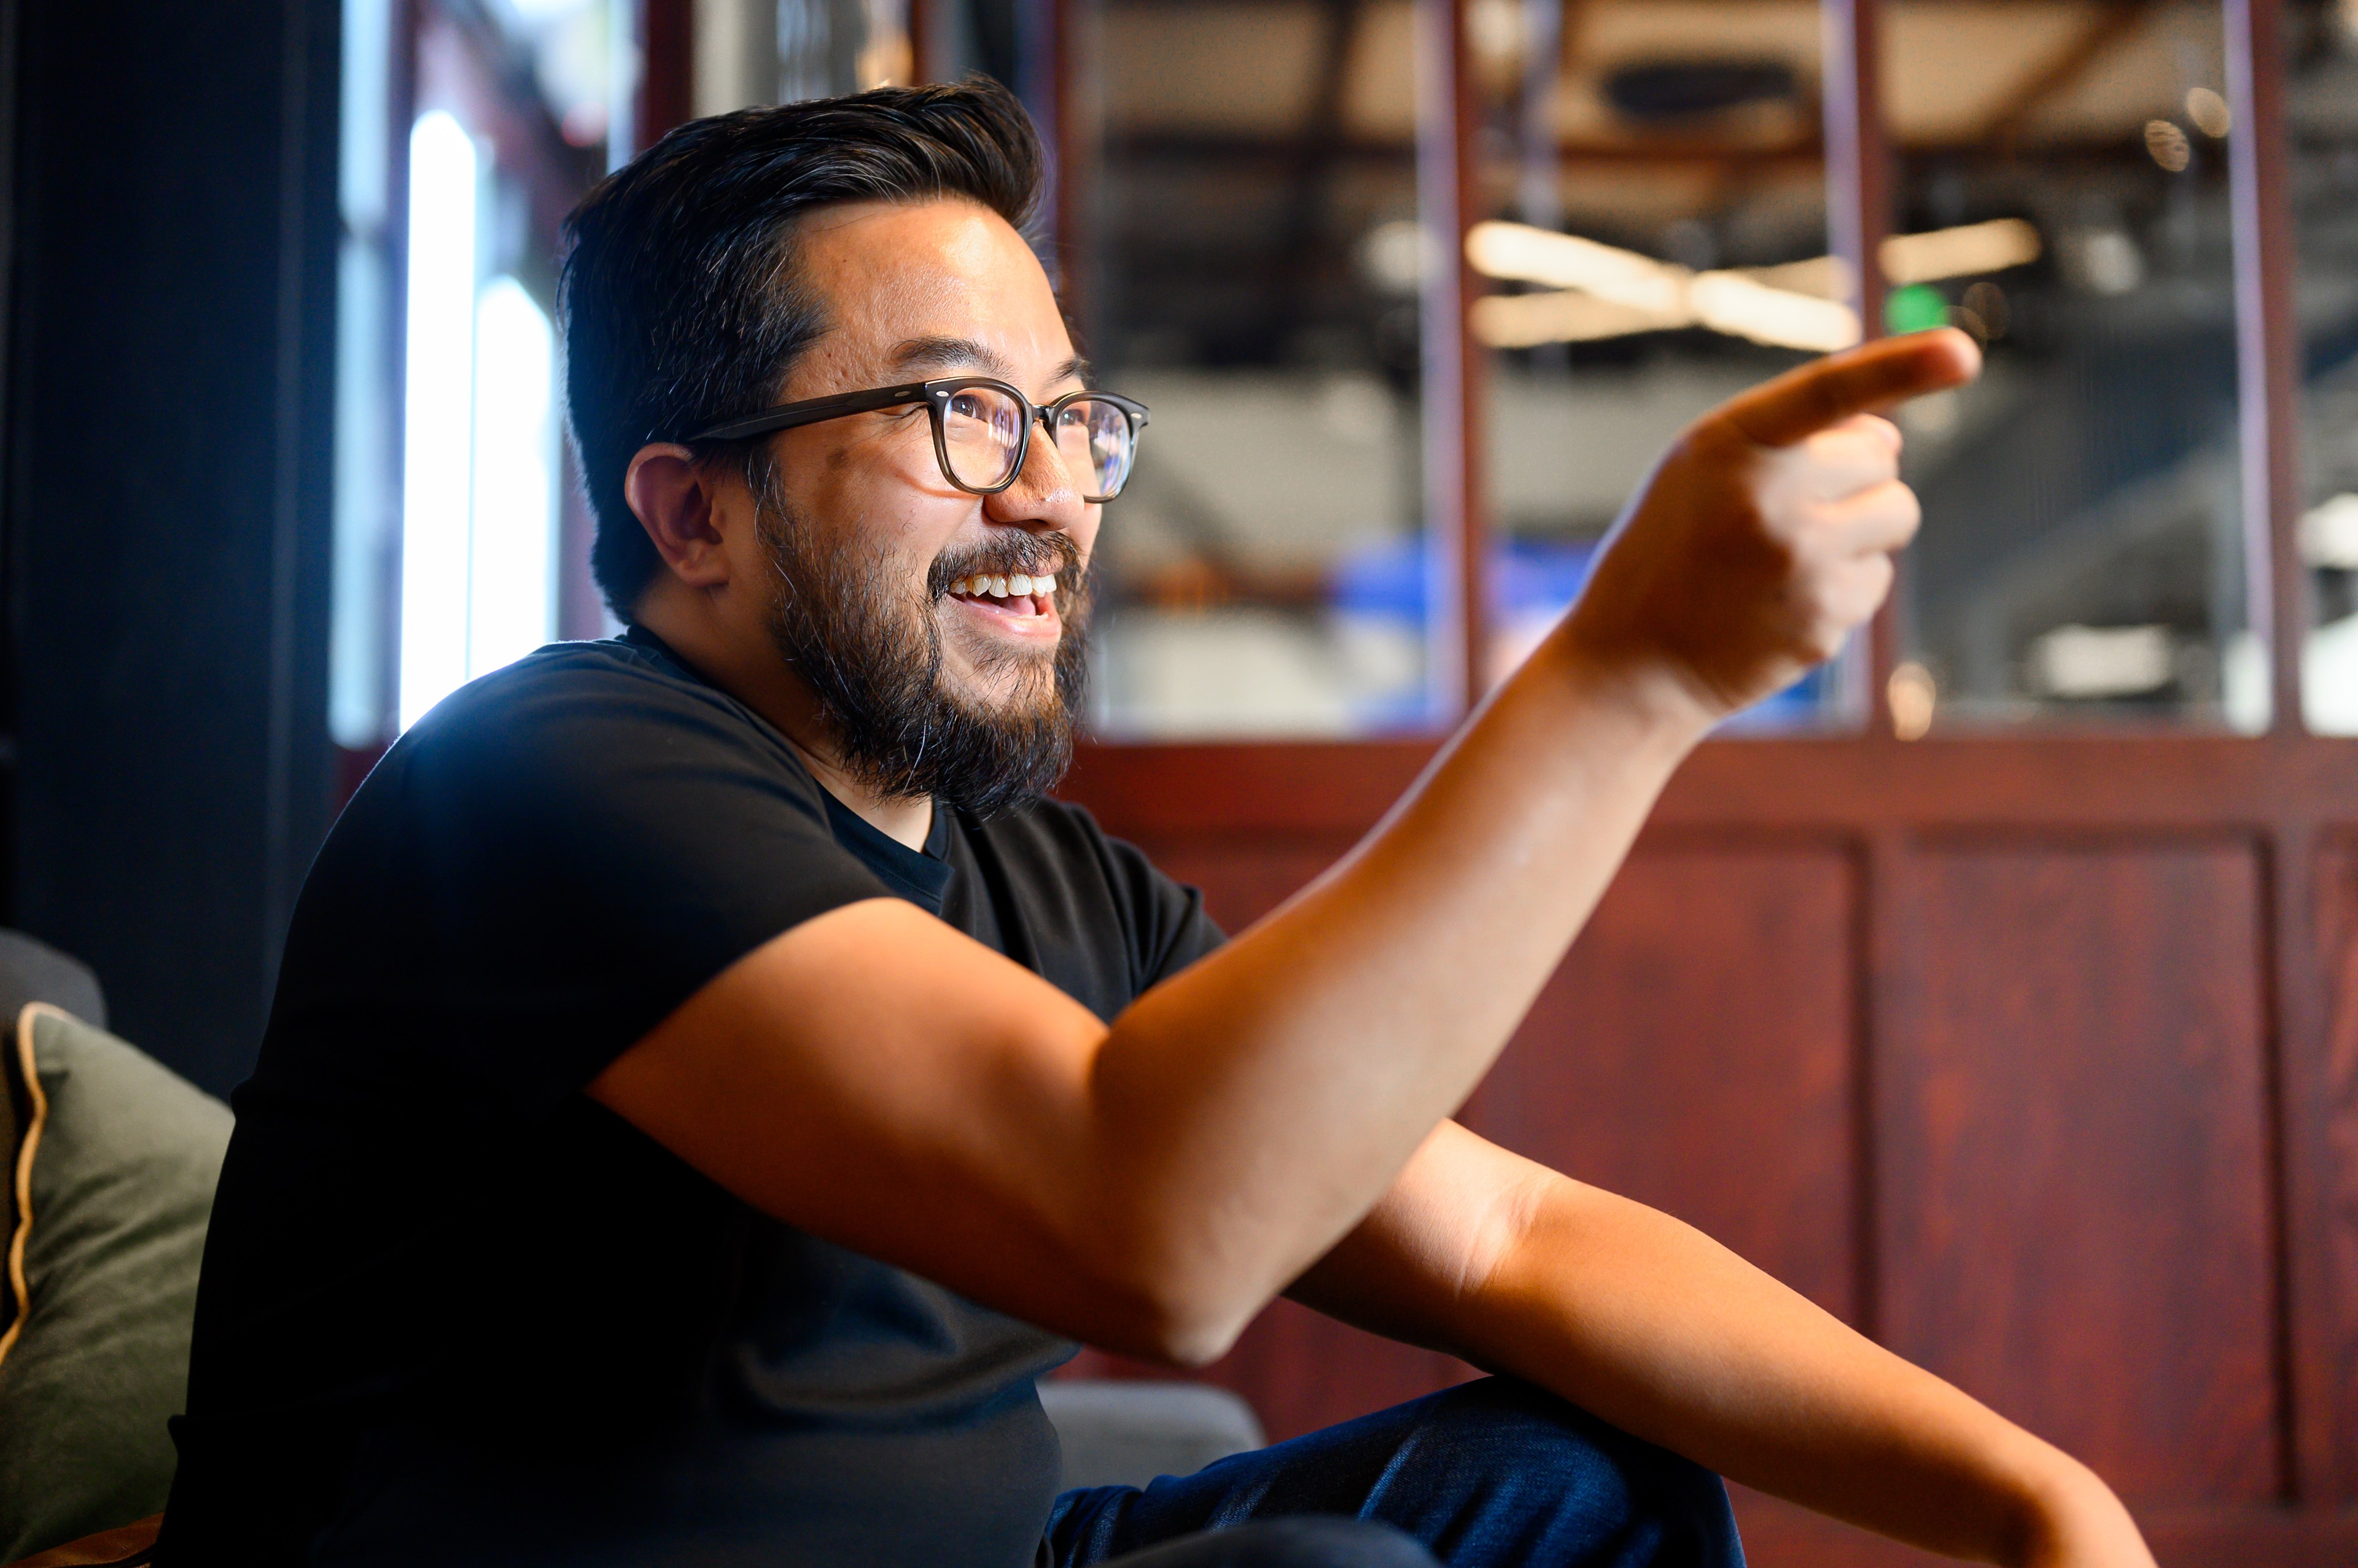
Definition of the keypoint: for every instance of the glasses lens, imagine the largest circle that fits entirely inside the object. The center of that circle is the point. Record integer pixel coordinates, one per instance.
(1096, 441)
(982, 432)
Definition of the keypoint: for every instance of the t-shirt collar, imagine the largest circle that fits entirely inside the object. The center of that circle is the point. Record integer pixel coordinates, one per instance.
(920, 876)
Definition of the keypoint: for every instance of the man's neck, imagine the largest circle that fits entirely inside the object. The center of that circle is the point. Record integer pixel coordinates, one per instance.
(759, 679)
(909, 821)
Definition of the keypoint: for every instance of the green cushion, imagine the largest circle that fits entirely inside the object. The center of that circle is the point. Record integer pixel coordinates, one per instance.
(113, 1168)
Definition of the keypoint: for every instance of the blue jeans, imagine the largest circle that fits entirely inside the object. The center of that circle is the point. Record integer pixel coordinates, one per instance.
(1492, 1473)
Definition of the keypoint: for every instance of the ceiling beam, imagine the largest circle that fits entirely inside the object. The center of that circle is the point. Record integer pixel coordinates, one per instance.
(2003, 125)
(1315, 158)
(1251, 149)
(1285, 151)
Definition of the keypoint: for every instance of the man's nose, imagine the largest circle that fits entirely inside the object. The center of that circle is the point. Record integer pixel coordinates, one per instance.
(1045, 490)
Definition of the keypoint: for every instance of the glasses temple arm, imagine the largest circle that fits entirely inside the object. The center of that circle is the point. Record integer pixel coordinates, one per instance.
(788, 415)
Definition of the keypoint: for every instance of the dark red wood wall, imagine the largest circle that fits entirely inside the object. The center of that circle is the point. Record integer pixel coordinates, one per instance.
(2037, 1059)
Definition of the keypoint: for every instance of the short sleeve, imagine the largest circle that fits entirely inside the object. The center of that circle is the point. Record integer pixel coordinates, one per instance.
(1165, 919)
(582, 843)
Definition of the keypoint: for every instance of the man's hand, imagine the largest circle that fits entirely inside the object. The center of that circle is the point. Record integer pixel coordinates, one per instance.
(1765, 534)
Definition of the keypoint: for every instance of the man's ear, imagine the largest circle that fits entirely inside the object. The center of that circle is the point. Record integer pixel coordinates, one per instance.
(675, 499)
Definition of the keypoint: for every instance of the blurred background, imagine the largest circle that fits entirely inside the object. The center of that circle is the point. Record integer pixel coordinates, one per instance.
(1996, 986)
(1237, 227)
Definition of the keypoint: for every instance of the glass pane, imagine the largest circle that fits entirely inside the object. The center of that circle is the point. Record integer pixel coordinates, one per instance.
(1253, 276)
(461, 542)
(2321, 104)
(2063, 192)
(1676, 145)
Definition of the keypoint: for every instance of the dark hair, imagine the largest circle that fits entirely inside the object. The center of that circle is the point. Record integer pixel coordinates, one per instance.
(679, 298)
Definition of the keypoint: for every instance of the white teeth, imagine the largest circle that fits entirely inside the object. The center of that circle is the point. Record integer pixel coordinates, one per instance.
(1016, 585)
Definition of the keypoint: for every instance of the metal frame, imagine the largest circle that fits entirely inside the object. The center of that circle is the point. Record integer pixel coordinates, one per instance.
(1858, 219)
(1449, 196)
(2266, 346)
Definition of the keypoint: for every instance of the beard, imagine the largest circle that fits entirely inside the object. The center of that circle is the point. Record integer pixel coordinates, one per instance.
(869, 650)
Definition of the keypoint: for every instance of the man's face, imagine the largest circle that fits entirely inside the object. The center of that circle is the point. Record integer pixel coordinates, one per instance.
(967, 693)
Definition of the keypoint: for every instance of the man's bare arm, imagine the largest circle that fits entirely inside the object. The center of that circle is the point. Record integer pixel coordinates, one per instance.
(1653, 1326)
(878, 1079)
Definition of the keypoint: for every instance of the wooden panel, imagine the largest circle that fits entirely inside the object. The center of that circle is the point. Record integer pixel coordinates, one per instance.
(2251, 1538)
(2035, 781)
(2321, 1095)
(1779, 1534)
(1694, 1053)
(1782, 1535)
(2075, 1210)
(1243, 881)
(2072, 1203)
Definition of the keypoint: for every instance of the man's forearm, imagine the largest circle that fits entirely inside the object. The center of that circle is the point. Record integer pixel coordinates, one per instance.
(1264, 1099)
(1651, 1325)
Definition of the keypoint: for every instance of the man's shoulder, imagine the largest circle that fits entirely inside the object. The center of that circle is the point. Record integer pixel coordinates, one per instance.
(611, 675)
(574, 704)
(586, 732)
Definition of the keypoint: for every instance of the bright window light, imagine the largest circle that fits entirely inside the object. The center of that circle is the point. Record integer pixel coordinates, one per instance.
(512, 579)
(359, 638)
(480, 486)
(437, 423)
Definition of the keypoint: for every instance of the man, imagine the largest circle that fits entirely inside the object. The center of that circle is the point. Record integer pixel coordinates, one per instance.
(708, 1084)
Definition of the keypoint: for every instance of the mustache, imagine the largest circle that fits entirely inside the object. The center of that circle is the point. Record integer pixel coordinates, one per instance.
(1034, 555)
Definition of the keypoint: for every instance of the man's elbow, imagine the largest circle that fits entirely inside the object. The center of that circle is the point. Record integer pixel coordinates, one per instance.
(1175, 1312)
(1183, 1333)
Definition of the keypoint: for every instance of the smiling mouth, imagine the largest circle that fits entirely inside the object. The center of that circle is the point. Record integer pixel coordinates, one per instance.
(1016, 596)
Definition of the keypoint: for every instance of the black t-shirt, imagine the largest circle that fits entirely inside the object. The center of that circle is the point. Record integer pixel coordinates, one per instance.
(455, 1311)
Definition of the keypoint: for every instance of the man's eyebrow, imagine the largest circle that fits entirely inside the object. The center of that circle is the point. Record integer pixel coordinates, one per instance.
(949, 353)
(958, 353)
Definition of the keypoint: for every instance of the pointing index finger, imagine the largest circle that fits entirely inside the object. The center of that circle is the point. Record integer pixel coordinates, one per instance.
(1826, 392)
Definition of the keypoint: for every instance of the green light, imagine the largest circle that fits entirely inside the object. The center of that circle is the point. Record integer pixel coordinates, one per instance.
(1915, 309)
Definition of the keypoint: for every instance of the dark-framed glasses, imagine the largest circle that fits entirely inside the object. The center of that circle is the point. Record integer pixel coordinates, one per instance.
(982, 429)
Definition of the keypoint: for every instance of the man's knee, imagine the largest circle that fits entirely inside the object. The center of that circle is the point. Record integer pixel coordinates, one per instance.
(1520, 1464)
(1310, 1540)
(1492, 1473)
